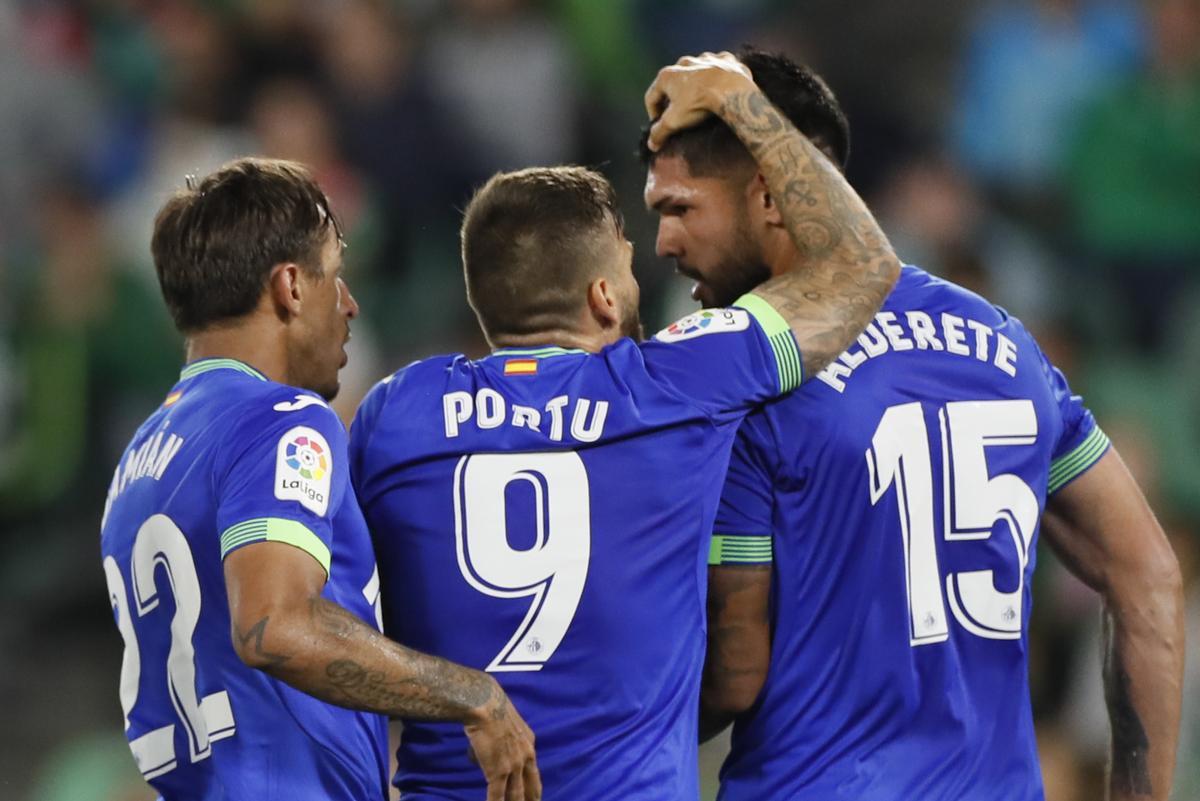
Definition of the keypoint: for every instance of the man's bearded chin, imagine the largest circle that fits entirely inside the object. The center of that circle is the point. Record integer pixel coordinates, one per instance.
(737, 279)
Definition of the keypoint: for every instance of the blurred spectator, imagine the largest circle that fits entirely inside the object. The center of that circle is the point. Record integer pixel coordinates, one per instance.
(290, 121)
(506, 75)
(1028, 67)
(48, 103)
(1134, 177)
(389, 124)
(94, 350)
(936, 219)
(193, 132)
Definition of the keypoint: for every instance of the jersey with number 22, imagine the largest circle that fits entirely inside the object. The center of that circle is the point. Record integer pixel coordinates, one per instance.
(229, 460)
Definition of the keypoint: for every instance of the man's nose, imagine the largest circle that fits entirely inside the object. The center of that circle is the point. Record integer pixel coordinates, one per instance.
(349, 304)
(666, 245)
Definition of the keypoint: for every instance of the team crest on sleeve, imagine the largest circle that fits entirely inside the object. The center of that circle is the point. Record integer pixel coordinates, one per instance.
(705, 321)
(303, 469)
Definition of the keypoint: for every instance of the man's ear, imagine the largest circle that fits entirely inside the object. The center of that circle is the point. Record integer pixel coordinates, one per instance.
(603, 304)
(761, 203)
(285, 289)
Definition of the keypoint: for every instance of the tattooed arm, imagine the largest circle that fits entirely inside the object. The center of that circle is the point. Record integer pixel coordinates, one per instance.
(284, 627)
(739, 644)
(1105, 533)
(845, 266)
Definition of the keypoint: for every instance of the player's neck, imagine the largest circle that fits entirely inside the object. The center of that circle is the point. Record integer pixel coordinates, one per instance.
(250, 341)
(592, 342)
(780, 254)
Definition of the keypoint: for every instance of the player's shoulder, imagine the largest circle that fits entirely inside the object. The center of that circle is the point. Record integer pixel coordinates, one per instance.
(417, 378)
(705, 322)
(407, 387)
(269, 409)
(921, 290)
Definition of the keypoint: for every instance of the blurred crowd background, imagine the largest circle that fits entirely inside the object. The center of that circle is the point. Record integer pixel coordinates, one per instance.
(1044, 152)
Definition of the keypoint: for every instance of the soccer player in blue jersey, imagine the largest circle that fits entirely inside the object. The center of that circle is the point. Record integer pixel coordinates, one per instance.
(239, 568)
(544, 512)
(869, 594)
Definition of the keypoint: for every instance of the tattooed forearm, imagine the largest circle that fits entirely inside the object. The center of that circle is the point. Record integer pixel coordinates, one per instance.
(1130, 770)
(341, 659)
(739, 644)
(386, 677)
(847, 265)
(250, 645)
(436, 694)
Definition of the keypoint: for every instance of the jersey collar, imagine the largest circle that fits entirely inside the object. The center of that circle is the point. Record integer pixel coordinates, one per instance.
(536, 353)
(205, 365)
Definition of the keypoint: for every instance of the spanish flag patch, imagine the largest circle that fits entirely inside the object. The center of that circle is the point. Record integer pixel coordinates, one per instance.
(173, 398)
(520, 367)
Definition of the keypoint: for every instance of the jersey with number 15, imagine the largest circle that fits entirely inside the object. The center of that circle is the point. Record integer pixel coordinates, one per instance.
(544, 515)
(899, 495)
(232, 459)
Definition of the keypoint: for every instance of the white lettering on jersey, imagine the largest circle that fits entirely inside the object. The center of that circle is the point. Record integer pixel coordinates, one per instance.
(301, 402)
(488, 409)
(705, 321)
(950, 334)
(150, 460)
(304, 469)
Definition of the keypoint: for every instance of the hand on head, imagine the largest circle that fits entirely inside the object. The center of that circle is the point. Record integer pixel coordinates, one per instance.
(684, 94)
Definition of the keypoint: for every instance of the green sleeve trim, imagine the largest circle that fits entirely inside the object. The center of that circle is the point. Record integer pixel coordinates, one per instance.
(1070, 465)
(276, 529)
(727, 550)
(779, 334)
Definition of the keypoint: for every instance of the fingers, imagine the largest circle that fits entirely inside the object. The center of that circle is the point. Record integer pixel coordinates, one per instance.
(516, 787)
(676, 118)
(496, 789)
(655, 100)
(533, 781)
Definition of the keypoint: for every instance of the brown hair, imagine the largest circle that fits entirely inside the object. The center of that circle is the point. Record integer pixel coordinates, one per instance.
(532, 241)
(216, 241)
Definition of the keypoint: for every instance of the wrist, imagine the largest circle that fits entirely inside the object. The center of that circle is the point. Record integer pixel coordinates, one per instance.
(492, 697)
(726, 88)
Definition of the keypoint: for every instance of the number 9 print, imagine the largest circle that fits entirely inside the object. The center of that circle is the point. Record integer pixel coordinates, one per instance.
(553, 571)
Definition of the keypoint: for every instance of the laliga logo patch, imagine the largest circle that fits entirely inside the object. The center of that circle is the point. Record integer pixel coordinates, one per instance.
(705, 321)
(303, 467)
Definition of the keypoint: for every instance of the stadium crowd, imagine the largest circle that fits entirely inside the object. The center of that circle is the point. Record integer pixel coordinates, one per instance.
(1044, 152)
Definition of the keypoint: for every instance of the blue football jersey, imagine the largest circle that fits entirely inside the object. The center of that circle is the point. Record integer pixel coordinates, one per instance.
(899, 494)
(232, 459)
(545, 515)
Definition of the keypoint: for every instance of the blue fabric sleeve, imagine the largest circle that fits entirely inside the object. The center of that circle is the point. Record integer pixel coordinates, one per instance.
(742, 531)
(726, 360)
(1081, 443)
(286, 477)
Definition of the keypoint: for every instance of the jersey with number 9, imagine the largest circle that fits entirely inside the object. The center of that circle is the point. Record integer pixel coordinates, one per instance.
(898, 496)
(232, 459)
(545, 515)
